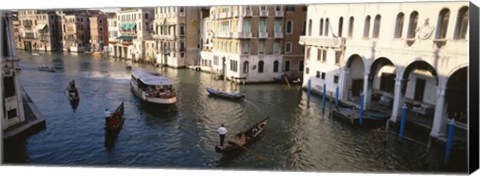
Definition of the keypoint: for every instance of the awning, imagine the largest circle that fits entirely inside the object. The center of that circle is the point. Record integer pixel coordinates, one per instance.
(125, 38)
(40, 27)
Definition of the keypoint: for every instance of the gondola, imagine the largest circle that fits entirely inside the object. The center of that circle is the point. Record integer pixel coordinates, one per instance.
(73, 95)
(114, 122)
(224, 94)
(243, 138)
(46, 69)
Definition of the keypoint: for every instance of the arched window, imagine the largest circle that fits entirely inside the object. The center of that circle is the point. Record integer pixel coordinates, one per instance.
(399, 25)
(366, 29)
(260, 67)
(289, 27)
(310, 27)
(245, 67)
(376, 26)
(321, 28)
(412, 26)
(340, 27)
(462, 23)
(350, 27)
(327, 25)
(442, 24)
(275, 66)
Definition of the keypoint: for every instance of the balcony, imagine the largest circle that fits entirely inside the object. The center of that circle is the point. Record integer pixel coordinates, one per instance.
(263, 13)
(247, 13)
(223, 15)
(279, 13)
(223, 34)
(263, 35)
(243, 35)
(322, 41)
(278, 35)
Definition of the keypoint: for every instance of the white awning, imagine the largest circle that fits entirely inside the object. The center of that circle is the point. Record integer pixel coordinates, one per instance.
(40, 27)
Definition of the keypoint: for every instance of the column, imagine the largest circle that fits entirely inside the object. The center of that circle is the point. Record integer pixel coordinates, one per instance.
(439, 127)
(345, 74)
(397, 99)
(367, 92)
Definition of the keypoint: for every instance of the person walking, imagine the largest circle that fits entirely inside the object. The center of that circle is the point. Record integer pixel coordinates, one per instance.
(222, 131)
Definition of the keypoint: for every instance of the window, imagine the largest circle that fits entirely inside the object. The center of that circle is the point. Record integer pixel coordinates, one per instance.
(289, 27)
(338, 55)
(399, 25)
(245, 67)
(327, 25)
(323, 75)
(261, 47)
(462, 23)
(324, 55)
(321, 28)
(8, 86)
(335, 79)
(412, 27)
(350, 27)
(275, 66)
(278, 8)
(376, 26)
(278, 26)
(287, 66)
(101, 21)
(310, 27)
(182, 30)
(263, 8)
(246, 25)
(317, 75)
(301, 65)
(146, 16)
(181, 9)
(260, 67)
(307, 70)
(246, 47)
(262, 26)
(288, 47)
(308, 53)
(366, 29)
(319, 54)
(304, 26)
(340, 27)
(289, 8)
(101, 29)
(276, 47)
(443, 24)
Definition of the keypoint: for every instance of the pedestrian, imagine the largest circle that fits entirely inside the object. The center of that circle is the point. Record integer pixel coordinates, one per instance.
(107, 113)
(222, 131)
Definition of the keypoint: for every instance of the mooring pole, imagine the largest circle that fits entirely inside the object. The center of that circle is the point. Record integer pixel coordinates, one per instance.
(308, 92)
(336, 97)
(360, 120)
(451, 128)
(402, 120)
(324, 95)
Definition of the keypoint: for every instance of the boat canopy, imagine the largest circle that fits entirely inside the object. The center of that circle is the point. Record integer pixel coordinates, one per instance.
(150, 79)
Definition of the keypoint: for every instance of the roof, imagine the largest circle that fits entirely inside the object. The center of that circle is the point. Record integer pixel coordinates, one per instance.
(150, 79)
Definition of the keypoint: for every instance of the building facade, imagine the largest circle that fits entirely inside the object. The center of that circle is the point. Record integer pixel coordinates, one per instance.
(177, 34)
(413, 53)
(37, 29)
(112, 34)
(134, 27)
(248, 42)
(75, 31)
(293, 52)
(98, 32)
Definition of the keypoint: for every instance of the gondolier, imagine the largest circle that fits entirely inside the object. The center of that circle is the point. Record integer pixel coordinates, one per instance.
(222, 131)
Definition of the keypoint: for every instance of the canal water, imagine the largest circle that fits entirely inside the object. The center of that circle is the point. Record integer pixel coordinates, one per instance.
(298, 137)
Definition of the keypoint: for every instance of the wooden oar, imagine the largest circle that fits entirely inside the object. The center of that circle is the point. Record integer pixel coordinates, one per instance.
(255, 153)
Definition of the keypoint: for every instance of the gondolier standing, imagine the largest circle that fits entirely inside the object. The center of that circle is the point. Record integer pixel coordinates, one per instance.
(222, 131)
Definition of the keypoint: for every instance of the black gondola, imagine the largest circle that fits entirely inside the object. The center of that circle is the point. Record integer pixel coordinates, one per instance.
(114, 122)
(73, 95)
(242, 139)
(46, 69)
(224, 94)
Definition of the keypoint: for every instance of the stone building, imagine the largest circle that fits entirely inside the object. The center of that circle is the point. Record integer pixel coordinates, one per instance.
(98, 32)
(413, 53)
(37, 29)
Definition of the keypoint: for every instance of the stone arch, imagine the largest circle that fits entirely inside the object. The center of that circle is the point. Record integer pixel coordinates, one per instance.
(422, 81)
(354, 71)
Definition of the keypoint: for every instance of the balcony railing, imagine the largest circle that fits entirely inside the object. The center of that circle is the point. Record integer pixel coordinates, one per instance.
(263, 35)
(278, 35)
(263, 13)
(279, 13)
(322, 41)
(247, 13)
(224, 34)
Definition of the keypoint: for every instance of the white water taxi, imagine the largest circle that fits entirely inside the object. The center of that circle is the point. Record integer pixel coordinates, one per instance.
(153, 88)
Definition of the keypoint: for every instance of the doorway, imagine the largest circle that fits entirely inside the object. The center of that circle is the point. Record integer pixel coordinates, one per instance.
(419, 89)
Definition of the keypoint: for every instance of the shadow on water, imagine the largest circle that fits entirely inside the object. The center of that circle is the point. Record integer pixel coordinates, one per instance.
(228, 158)
(110, 138)
(14, 151)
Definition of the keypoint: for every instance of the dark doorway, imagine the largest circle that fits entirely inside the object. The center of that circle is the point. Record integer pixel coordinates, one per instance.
(387, 82)
(419, 89)
(357, 87)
